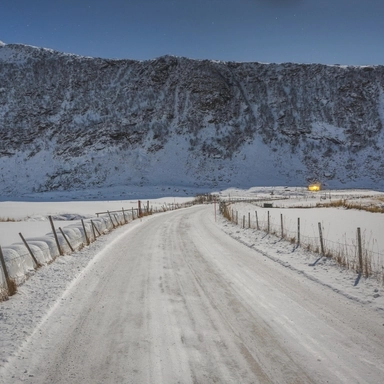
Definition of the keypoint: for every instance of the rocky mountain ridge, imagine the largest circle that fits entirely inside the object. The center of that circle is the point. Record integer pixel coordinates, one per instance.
(69, 122)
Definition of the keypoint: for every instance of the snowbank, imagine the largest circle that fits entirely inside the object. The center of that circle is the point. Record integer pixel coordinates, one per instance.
(338, 230)
(20, 263)
(34, 222)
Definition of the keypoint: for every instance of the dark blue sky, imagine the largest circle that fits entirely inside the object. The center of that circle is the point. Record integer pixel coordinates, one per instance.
(304, 31)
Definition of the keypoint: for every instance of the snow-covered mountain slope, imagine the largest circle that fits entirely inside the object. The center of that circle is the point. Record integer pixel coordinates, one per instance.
(69, 122)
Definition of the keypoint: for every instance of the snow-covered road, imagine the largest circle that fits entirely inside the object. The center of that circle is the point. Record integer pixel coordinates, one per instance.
(173, 299)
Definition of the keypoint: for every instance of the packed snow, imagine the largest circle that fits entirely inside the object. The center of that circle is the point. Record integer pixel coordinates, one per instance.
(339, 230)
(338, 225)
(31, 220)
(40, 295)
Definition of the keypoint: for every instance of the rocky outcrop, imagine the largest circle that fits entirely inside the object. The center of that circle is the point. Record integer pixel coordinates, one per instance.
(89, 122)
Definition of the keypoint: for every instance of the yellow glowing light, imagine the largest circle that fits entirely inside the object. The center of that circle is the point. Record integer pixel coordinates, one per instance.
(314, 187)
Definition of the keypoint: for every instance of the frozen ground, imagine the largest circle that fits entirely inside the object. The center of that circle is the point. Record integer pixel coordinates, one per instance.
(180, 297)
(339, 225)
(31, 218)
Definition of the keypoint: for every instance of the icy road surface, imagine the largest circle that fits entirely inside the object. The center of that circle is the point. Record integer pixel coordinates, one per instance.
(175, 300)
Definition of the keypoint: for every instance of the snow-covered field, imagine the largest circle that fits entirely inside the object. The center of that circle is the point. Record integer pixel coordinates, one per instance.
(189, 304)
(338, 224)
(31, 219)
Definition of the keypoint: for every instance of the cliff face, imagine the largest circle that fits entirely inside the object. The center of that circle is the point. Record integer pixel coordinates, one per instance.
(70, 122)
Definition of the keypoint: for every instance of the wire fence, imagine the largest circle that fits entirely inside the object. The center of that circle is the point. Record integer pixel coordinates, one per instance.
(20, 260)
(355, 254)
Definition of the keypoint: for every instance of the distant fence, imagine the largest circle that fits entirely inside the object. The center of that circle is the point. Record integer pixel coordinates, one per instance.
(355, 256)
(18, 261)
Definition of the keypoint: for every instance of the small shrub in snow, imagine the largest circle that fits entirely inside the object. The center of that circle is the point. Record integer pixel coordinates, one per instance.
(8, 220)
(350, 205)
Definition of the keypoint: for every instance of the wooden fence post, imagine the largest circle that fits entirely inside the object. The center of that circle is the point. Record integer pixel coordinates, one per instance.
(30, 251)
(110, 217)
(85, 232)
(139, 208)
(249, 219)
(56, 238)
(125, 219)
(133, 214)
(360, 249)
(93, 231)
(282, 228)
(257, 221)
(66, 239)
(243, 221)
(94, 227)
(5, 270)
(268, 222)
(321, 239)
(117, 220)
(237, 217)
(298, 231)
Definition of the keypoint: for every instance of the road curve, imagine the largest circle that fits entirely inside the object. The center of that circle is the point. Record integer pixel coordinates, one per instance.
(175, 300)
